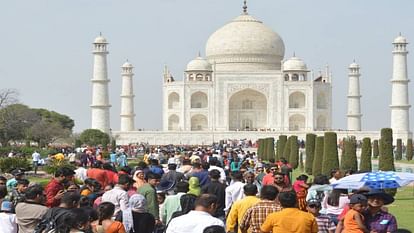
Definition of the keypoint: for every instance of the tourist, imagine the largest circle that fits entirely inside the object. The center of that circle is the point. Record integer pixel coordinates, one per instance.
(155, 167)
(256, 215)
(268, 179)
(319, 190)
(325, 224)
(336, 174)
(8, 218)
(335, 203)
(139, 178)
(105, 224)
(198, 219)
(376, 219)
(81, 173)
(97, 173)
(201, 172)
(290, 218)
(136, 218)
(194, 186)
(118, 195)
(18, 174)
(240, 207)
(31, 210)
(111, 173)
(3, 181)
(214, 165)
(55, 188)
(17, 194)
(218, 189)
(172, 174)
(286, 170)
(214, 229)
(149, 192)
(122, 159)
(249, 178)
(234, 191)
(187, 203)
(172, 202)
(280, 184)
(354, 220)
(76, 221)
(35, 161)
(300, 186)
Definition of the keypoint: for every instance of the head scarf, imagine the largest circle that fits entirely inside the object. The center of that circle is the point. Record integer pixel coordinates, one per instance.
(194, 186)
(137, 203)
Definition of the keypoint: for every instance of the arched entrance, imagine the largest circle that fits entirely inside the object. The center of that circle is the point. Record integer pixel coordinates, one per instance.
(321, 123)
(297, 122)
(199, 100)
(247, 110)
(297, 100)
(173, 122)
(173, 100)
(199, 123)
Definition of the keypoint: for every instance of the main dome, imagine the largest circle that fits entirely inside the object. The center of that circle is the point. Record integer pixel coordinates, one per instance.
(245, 43)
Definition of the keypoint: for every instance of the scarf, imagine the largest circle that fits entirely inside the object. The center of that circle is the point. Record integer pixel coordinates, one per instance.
(137, 203)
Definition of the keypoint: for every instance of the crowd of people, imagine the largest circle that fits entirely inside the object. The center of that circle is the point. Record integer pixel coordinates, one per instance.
(187, 190)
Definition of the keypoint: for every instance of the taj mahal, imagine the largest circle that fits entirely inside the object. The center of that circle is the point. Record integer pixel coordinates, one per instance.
(245, 88)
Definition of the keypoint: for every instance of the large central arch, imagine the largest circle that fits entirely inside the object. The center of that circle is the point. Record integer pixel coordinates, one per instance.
(247, 110)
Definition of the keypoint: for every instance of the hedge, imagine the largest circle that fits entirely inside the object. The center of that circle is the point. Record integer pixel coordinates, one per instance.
(409, 153)
(10, 163)
(350, 161)
(310, 151)
(286, 150)
(330, 153)
(365, 164)
(270, 148)
(375, 149)
(281, 146)
(318, 156)
(398, 152)
(386, 160)
(294, 152)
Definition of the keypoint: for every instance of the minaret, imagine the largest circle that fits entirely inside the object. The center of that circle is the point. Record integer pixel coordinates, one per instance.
(399, 104)
(354, 98)
(100, 95)
(127, 98)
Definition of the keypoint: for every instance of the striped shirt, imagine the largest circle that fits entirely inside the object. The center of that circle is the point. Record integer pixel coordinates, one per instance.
(256, 215)
(325, 224)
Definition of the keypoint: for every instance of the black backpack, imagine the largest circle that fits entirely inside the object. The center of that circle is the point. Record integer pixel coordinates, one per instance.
(48, 224)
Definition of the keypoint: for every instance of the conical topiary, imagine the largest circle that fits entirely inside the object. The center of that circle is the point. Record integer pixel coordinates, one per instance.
(343, 155)
(409, 153)
(270, 148)
(286, 151)
(260, 149)
(318, 156)
(398, 152)
(294, 152)
(386, 160)
(310, 150)
(350, 161)
(281, 146)
(375, 149)
(330, 153)
(365, 163)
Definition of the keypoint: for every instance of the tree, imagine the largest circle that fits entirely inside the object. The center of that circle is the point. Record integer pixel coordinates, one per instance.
(44, 132)
(409, 153)
(94, 137)
(398, 154)
(365, 163)
(343, 155)
(318, 156)
(286, 150)
(8, 97)
(54, 117)
(375, 149)
(281, 146)
(294, 152)
(310, 150)
(386, 160)
(350, 160)
(330, 153)
(270, 149)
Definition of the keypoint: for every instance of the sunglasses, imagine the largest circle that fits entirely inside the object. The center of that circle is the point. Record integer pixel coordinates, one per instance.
(278, 178)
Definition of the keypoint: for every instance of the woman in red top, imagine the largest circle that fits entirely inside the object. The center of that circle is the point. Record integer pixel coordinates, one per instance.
(301, 189)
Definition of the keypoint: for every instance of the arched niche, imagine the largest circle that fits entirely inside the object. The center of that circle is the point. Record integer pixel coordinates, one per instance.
(199, 122)
(199, 100)
(297, 122)
(297, 100)
(173, 122)
(173, 100)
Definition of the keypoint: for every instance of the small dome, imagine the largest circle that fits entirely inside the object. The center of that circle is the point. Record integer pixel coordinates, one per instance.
(354, 65)
(100, 39)
(127, 65)
(199, 63)
(400, 40)
(293, 64)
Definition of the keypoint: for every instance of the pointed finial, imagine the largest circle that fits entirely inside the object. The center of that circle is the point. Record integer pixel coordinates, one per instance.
(245, 7)
(400, 34)
(127, 60)
(294, 54)
(354, 60)
(199, 54)
(100, 33)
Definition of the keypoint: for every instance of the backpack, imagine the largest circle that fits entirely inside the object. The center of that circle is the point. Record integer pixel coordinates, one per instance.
(48, 223)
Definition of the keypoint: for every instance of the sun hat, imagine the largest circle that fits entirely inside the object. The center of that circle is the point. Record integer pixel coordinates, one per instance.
(388, 199)
(165, 185)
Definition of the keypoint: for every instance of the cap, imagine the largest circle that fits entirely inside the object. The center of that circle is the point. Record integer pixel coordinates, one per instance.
(357, 198)
(6, 206)
(17, 172)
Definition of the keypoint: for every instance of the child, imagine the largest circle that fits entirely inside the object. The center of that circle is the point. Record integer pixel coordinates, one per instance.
(17, 194)
(7, 218)
(325, 224)
(354, 220)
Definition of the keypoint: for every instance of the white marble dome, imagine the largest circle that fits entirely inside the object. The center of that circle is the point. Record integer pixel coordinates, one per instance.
(100, 40)
(199, 64)
(245, 40)
(294, 64)
(354, 65)
(400, 40)
(127, 65)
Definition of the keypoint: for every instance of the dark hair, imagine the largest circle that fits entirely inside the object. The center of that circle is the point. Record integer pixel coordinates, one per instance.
(23, 182)
(152, 175)
(205, 166)
(92, 213)
(126, 169)
(172, 166)
(237, 175)
(214, 174)
(85, 202)
(97, 164)
(108, 166)
(287, 199)
(269, 192)
(250, 189)
(214, 229)
(124, 179)
(333, 198)
(142, 165)
(187, 203)
(3, 178)
(321, 180)
(196, 165)
(105, 211)
(205, 200)
(33, 191)
(69, 198)
(181, 187)
(73, 219)
(3, 191)
(302, 177)
(64, 171)
(333, 171)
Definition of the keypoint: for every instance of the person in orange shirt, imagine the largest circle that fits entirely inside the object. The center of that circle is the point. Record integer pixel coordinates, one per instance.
(97, 173)
(354, 220)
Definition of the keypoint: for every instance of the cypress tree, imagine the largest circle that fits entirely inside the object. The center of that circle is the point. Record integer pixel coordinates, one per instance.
(260, 149)
(264, 149)
(286, 151)
(409, 153)
(310, 150)
(398, 154)
(294, 152)
(281, 146)
(375, 149)
(386, 160)
(343, 155)
(365, 163)
(301, 165)
(351, 162)
(330, 153)
(318, 156)
(270, 148)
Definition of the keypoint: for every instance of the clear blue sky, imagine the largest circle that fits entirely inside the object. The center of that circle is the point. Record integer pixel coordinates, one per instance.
(45, 48)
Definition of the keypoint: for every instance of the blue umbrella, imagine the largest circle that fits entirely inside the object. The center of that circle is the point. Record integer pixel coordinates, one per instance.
(375, 180)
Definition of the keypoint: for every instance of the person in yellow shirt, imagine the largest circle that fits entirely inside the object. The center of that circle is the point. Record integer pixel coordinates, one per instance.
(239, 208)
(290, 219)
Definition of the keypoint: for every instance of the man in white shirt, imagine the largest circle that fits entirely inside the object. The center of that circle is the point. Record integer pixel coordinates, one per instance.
(234, 191)
(35, 159)
(214, 165)
(198, 219)
(118, 195)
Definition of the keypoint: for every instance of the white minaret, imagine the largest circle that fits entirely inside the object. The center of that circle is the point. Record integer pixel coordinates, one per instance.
(127, 98)
(354, 98)
(399, 103)
(100, 95)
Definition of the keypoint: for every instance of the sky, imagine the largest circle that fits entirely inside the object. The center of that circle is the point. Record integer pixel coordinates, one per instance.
(46, 45)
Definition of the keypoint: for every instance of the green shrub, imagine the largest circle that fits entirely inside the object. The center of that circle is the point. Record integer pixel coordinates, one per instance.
(365, 164)
(294, 152)
(409, 153)
(301, 165)
(94, 137)
(318, 156)
(386, 160)
(260, 148)
(264, 152)
(398, 152)
(350, 161)
(310, 150)
(330, 153)
(281, 146)
(10, 163)
(343, 154)
(286, 151)
(55, 164)
(375, 149)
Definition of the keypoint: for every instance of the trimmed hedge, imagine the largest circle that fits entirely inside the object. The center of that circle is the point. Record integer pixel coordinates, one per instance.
(375, 149)
(260, 148)
(350, 160)
(343, 155)
(270, 148)
(398, 152)
(365, 163)
(409, 153)
(386, 160)
(8, 164)
(330, 153)
(310, 151)
(286, 151)
(281, 146)
(318, 156)
(294, 152)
